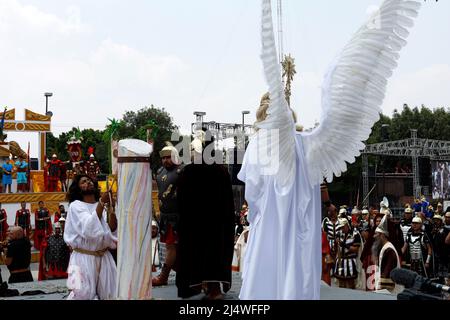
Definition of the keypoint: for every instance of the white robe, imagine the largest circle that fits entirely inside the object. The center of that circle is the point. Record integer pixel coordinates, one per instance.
(90, 277)
(283, 256)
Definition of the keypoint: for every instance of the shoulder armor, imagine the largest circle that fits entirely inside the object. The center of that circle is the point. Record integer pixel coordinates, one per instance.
(180, 169)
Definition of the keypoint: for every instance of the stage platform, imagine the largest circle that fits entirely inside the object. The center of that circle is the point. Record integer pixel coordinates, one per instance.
(57, 290)
(32, 197)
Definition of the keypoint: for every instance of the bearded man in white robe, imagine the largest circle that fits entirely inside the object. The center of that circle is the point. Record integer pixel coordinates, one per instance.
(92, 270)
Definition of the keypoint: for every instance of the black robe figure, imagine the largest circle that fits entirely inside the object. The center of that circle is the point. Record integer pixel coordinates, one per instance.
(206, 228)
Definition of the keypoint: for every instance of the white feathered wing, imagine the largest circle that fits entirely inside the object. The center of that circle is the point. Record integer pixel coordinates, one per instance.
(272, 148)
(354, 88)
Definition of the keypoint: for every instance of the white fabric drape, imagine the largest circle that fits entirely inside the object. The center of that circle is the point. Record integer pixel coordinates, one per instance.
(134, 214)
(90, 277)
(283, 256)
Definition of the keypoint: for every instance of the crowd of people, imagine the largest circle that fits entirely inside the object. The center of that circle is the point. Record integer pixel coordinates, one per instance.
(55, 171)
(16, 243)
(361, 247)
(19, 166)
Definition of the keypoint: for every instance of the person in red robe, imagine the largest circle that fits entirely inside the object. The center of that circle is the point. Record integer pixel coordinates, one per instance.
(54, 256)
(54, 173)
(3, 224)
(23, 219)
(43, 225)
(327, 260)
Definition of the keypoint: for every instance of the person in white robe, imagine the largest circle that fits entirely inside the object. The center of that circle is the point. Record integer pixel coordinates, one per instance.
(92, 270)
(283, 169)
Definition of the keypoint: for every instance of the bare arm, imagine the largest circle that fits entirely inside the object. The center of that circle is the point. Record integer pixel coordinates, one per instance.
(405, 246)
(447, 239)
(112, 222)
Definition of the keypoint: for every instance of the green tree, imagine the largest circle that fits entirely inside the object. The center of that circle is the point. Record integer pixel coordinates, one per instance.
(134, 125)
(91, 138)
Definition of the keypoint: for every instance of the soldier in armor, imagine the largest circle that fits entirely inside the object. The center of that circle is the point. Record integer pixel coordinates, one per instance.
(356, 219)
(417, 249)
(92, 168)
(331, 226)
(54, 173)
(54, 257)
(3, 224)
(23, 219)
(438, 235)
(365, 221)
(406, 221)
(167, 181)
(346, 268)
(43, 225)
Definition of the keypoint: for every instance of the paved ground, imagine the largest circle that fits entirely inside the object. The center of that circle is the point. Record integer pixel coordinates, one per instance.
(57, 290)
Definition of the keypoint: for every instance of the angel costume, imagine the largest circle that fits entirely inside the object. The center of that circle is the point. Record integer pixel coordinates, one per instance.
(282, 180)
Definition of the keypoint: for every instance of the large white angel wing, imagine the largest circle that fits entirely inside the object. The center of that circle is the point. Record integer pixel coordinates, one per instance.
(354, 88)
(272, 148)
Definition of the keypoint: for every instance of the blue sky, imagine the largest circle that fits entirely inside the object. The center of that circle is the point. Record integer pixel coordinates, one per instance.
(101, 58)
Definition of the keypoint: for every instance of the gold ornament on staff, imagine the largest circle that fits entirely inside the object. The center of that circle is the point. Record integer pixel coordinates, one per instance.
(289, 71)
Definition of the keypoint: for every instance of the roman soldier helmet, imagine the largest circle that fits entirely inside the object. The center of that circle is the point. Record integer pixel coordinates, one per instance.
(417, 220)
(383, 226)
(170, 151)
(438, 217)
(408, 210)
(62, 219)
(343, 222)
(342, 212)
(355, 210)
(384, 206)
(57, 225)
(91, 156)
(447, 214)
(365, 212)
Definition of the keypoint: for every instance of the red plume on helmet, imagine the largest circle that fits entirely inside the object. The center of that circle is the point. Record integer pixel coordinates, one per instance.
(90, 151)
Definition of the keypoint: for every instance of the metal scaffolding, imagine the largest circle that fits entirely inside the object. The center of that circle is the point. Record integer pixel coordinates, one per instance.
(413, 147)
